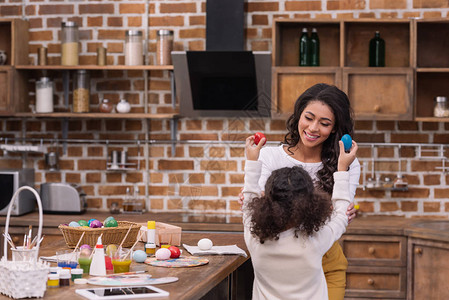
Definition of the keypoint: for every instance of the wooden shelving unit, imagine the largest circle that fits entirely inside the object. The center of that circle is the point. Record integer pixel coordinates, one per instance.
(375, 93)
(95, 67)
(61, 115)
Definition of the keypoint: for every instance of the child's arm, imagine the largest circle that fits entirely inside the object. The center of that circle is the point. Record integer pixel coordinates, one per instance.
(251, 187)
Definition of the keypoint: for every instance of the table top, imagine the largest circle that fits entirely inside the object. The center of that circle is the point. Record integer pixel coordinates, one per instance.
(193, 283)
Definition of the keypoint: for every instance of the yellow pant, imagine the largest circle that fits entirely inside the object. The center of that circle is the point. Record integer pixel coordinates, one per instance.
(334, 266)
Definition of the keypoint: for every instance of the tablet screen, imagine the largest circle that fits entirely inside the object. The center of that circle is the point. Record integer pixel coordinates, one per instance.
(122, 291)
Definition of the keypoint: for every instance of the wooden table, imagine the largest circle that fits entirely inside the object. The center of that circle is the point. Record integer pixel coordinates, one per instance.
(193, 283)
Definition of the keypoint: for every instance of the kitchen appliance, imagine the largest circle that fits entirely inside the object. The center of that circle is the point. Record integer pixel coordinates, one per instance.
(52, 160)
(62, 198)
(10, 181)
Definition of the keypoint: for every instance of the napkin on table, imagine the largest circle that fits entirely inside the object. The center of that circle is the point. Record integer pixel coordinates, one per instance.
(220, 250)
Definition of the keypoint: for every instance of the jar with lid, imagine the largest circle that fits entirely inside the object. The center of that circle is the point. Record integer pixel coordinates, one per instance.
(164, 47)
(81, 92)
(133, 48)
(44, 95)
(69, 44)
(441, 108)
(106, 106)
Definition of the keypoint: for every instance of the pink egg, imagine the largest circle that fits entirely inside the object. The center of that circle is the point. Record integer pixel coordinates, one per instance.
(85, 246)
(96, 224)
(163, 254)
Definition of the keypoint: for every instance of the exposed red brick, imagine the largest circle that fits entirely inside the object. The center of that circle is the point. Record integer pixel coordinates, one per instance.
(174, 21)
(348, 4)
(115, 22)
(302, 5)
(196, 151)
(237, 152)
(10, 10)
(408, 125)
(197, 191)
(431, 179)
(216, 152)
(156, 177)
(388, 206)
(175, 164)
(96, 8)
(93, 177)
(134, 8)
(217, 178)
(196, 178)
(91, 164)
(409, 206)
(94, 203)
(221, 165)
(192, 33)
(412, 193)
(56, 9)
(261, 6)
(197, 20)
(134, 21)
(409, 138)
(203, 205)
(198, 136)
(441, 193)
(45, 35)
(167, 8)
(388, 4)
(175, 204)
(431, 206)
(214, 125)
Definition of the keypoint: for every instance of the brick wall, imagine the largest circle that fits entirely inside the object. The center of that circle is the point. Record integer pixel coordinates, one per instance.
(201, 176)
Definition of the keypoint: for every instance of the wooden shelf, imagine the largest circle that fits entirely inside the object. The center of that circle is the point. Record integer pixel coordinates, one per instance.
(95, 67)
(96, 115)
(431, 119)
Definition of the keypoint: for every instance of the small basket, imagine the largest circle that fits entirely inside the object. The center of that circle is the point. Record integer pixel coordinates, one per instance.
(165, 234)
(26, 278)
(111, 235)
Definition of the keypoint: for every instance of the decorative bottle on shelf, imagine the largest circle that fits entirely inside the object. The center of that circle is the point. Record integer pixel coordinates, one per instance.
(105, 106)
(377, 51)
(123, 106)
(164, 47)
(304, 44)
(81, 92)
(69, 44)
(314, 49)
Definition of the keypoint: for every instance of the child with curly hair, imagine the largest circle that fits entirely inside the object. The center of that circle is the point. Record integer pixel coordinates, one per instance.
(290, 228)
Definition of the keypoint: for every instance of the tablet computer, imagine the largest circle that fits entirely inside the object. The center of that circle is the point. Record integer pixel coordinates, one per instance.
(122, 292)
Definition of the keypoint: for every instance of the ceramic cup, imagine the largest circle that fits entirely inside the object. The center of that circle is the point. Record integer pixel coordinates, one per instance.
(3, 57)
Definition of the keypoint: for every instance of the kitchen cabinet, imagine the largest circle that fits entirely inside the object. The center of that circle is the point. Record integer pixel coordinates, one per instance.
(432, 66)
(375, 93)
(14, 41)
(376, 266)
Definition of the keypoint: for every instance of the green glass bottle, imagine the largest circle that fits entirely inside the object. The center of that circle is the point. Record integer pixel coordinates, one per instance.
(314, 49)
(304, 44)
(377, 51)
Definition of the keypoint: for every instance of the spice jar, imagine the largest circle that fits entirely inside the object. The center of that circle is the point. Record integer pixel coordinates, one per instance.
(164, 47)
(64, 277)
(81, 92)
(106, 106)
(69, 44)
(441, 108)
(53, 281)
(133, 48)
(44, 95)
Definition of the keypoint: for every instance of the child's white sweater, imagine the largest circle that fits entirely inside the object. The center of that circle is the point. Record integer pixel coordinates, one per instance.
(291, 268)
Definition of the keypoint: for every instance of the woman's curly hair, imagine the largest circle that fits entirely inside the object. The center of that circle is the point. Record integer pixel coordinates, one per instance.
(339, 103)
(290, 201)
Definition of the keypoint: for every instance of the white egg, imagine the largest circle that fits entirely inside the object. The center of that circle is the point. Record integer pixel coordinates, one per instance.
(163, 254)
(205, 244)
(139, 256)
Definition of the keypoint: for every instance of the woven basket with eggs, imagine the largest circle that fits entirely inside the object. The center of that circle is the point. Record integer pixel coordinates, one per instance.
(111, 235)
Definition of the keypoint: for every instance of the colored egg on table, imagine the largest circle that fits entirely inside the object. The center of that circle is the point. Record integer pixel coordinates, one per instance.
(90, 221)
(139, 256)
(163, 254)
(110, 223)
(95, 224)
(74, 224)
(108, 218)
(83, 223)
(347, 142)
(205, 244)
(110, 249)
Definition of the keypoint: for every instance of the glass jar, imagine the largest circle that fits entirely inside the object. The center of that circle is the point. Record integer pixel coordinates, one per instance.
(69, 44)
(377, 51)
(44, 95)
(164, 47)
(106, 106)
(133, 48)
(441, 108)
(81, 92)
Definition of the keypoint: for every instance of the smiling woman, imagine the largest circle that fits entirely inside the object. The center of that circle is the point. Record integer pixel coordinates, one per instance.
(322, 115)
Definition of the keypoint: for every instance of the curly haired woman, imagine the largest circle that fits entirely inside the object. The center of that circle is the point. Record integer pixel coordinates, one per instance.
(287, 230)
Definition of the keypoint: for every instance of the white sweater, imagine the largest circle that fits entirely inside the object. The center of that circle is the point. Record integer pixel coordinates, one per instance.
(274, 158)
(291, 268)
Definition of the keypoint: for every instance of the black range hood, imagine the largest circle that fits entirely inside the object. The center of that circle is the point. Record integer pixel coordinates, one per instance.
(224, 80)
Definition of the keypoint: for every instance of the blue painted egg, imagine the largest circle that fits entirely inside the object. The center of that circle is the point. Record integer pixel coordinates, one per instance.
(139, 256)
(347, 142)
(74, 224)
(90, 221)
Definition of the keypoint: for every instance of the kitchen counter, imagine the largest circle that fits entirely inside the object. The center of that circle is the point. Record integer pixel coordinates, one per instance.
(193, 282)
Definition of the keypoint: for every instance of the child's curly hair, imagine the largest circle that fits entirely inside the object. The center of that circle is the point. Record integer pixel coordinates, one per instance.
(290, 201)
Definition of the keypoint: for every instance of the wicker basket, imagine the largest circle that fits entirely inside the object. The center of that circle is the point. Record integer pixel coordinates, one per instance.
(111, 235)
(25, 277)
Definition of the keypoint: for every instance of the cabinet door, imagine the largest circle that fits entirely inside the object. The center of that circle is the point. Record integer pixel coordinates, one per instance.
(429, 270)
(290, 82)
(380, 93)
(5, 90)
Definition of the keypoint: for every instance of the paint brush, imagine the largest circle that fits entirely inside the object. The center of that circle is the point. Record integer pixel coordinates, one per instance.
(30, 231)
(93, 250)
(130, 250)
(120, 246)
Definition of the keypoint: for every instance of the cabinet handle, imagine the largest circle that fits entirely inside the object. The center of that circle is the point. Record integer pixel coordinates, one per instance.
(371, 250)
(418, 251)
(370, 281)
(377, 108)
